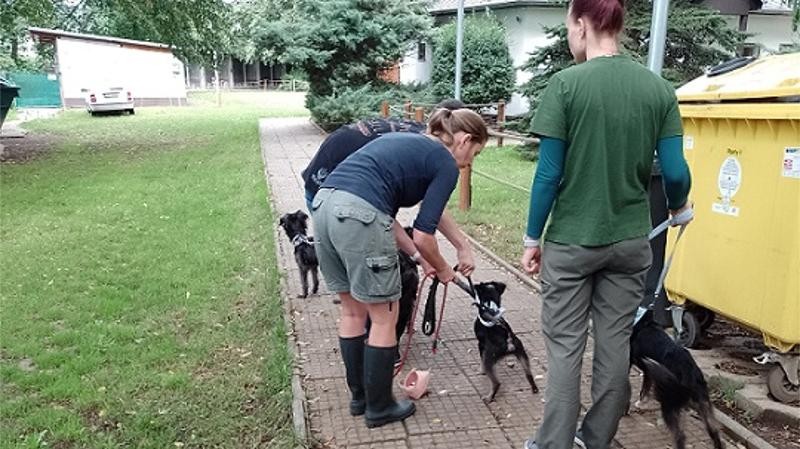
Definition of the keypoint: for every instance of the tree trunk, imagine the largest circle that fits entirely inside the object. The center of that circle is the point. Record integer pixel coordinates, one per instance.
(14, 49)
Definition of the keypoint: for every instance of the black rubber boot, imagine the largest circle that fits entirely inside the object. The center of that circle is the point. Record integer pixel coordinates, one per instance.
(353, 356)
(378, 373)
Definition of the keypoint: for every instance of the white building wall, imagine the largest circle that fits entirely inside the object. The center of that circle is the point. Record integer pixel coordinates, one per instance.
(415, 70)
(525, 29)
(770, 30)
(154, 74)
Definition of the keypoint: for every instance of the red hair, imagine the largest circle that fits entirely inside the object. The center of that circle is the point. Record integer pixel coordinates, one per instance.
(607, 16)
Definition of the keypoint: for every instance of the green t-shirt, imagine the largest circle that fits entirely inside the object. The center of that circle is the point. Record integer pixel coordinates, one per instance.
(611, 111)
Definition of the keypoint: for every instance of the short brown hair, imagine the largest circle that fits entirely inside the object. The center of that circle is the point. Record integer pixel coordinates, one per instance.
(444, 123)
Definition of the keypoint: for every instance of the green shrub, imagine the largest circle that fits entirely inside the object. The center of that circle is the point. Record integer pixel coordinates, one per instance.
(347, 105)
(487, 73)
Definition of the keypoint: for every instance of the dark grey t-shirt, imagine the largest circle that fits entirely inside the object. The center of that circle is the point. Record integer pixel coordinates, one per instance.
(400, 170)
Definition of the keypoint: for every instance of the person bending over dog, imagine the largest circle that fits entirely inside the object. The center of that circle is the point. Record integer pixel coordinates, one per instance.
(348, 139)
(599, 122)
(353, 215)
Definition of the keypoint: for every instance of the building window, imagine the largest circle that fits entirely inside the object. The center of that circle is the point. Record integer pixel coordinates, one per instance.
(422, 52)
(750, 49)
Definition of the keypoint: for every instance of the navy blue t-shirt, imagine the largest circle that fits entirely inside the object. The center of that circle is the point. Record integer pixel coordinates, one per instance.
(345, 141)
(400, 170)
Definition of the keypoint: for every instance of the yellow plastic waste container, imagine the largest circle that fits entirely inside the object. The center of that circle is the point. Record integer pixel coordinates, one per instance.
(740, 257)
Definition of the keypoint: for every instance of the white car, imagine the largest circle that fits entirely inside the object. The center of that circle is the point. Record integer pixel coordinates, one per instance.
(106, 100)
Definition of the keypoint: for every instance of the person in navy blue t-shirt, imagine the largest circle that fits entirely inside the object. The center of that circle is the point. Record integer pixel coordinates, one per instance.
(348, 139)
(356, 239)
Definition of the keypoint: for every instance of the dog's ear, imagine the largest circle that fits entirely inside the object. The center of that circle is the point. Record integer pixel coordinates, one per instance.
(301, 215)
(500, 287)
(282, 221)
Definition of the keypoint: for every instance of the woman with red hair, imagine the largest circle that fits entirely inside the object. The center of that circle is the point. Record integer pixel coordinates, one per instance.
(599, 123)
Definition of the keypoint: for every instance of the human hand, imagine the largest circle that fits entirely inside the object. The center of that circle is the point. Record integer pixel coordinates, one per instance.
(682, 216)
(445, 275)
(466, 261)
(427, 268)
(532, 260)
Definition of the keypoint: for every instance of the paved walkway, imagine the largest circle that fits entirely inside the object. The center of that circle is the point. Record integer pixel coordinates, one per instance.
(453, 414)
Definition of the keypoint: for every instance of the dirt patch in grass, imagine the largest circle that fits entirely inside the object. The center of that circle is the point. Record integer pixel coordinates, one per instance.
(97, 420)
(19, 150)
(736, 368)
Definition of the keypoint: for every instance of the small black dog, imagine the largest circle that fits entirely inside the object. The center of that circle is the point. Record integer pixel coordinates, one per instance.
(672, 373)
(495, 337)
(409, 284)
(296, 226)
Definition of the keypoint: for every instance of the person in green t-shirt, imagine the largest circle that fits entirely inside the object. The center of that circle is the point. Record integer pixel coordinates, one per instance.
(599, 123)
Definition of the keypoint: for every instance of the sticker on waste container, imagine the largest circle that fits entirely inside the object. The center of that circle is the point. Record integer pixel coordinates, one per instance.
(729, 181)
(791, 162)
(688, 142)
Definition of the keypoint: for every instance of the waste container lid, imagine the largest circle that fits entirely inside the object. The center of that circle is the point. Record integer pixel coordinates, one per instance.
(776, 76)
(5, 83)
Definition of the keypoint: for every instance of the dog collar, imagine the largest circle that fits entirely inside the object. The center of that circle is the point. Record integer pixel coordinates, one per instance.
(299, 239)
(492, 310)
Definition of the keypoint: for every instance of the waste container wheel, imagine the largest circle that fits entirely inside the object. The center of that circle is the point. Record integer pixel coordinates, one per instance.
(704, 317)
(780, 388)
(690, 335)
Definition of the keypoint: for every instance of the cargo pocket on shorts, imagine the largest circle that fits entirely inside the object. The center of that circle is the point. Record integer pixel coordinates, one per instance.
(384, 276)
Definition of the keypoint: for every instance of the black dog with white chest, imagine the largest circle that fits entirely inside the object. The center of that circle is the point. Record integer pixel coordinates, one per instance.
(671, 372)
(495, 337)
(296, 227)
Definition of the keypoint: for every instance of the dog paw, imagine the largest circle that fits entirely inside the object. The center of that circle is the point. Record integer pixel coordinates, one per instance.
(302, 296)
(487, 399)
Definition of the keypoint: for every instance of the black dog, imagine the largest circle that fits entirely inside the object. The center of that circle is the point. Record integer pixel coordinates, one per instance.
(495, 337)
(296, 226)
(672, 373)
(409, 284)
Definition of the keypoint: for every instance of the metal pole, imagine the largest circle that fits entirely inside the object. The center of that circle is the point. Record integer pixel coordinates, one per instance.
(658, 36)
(459, 46)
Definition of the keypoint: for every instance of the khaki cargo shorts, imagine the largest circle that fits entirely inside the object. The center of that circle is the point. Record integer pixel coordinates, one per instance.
(355, 246)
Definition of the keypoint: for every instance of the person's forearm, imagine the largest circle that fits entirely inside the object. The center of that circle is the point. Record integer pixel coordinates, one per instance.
(545, 185)
(427, 246)
(674, 171)
(451, 231)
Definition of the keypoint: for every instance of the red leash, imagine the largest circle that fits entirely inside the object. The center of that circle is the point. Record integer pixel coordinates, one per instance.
(410, 329)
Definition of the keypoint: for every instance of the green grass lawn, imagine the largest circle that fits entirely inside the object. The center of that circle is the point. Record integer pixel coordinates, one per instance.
(139, 296)
(11, 114)
(499, 213)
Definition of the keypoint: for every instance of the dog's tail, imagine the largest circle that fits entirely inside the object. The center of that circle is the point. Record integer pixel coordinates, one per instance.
(666, 386)
(673, 396)
(706, 412)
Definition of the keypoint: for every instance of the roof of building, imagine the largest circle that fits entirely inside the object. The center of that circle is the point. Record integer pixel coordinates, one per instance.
(50, 35)
(775, 5)
(448, 6)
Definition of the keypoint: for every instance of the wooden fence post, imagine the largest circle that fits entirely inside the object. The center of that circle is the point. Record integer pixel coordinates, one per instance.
(419, 114)
(465, 191)
(501, 120)
(407, 110)
(385, 108)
